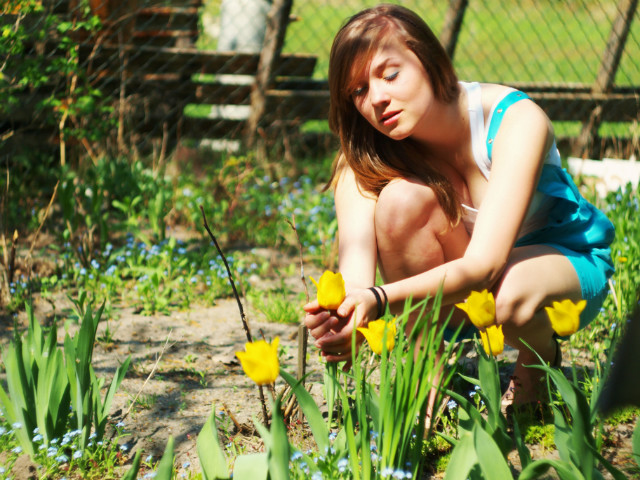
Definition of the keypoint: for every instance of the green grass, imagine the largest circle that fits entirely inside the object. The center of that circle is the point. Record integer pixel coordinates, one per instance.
(505, 41)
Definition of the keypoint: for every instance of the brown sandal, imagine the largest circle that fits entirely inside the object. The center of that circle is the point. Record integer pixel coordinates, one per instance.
(509, 408)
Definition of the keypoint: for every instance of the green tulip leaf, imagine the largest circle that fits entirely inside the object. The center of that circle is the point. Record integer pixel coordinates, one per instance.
(278, 454)
(132, 473)
(491, 459)
(462, 460)
(565, 470)
(212, 459)
(165, 466)
(636, 443)
(311, 411)
(251, 467)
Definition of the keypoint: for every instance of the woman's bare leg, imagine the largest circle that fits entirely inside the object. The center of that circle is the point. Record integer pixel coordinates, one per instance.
(536, 276)
(413, 235)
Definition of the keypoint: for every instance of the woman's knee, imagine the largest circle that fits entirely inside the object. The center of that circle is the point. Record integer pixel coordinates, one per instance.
(405, 206)
(515, 308)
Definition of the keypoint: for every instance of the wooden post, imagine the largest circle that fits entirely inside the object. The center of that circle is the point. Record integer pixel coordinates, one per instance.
(452, 25)
(586, 145)
(277, 22)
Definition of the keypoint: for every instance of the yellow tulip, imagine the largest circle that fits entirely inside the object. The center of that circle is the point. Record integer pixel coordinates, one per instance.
(331, 291)
(374, 333)
(480, 307)
(492, 339)
(565, 316)
(260, 361)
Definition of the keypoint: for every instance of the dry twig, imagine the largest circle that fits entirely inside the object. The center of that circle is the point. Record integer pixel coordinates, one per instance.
(35, 237)
(153, 370)
(243, 317)
(303, 332)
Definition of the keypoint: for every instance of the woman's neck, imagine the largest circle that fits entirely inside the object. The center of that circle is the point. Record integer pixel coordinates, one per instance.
(446, 136)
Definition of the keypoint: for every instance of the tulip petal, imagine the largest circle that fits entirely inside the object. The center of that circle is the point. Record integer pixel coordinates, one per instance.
(260, 361)
(492, 339)
(374, 334)
(331, 291)
(565, 316)
(480, 307)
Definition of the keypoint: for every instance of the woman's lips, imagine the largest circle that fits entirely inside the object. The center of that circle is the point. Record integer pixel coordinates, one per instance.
(389, 118)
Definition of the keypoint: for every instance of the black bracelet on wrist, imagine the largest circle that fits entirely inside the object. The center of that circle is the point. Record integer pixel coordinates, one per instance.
(386, 300)
(378, 301)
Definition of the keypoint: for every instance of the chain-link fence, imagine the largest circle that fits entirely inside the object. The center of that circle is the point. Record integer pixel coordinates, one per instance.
(86, 76)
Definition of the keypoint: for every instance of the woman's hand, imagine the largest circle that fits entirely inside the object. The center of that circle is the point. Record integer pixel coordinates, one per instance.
(333, 330)
(318, 320)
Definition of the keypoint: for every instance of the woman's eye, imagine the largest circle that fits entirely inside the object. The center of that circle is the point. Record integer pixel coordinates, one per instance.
(391, 77)
(358, 91)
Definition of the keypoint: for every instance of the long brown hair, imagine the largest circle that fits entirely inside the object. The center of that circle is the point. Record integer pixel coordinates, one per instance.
(375, 158)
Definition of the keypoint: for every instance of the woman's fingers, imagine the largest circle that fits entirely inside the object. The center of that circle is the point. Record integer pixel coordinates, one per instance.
(320, 331)
(314, 320)
(312, 307)
(331, 357)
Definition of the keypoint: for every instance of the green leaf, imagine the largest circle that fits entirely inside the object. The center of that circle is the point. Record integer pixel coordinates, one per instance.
(251, 467)
(565, 470)
(311, 411)
(212, 459)
(491, 460)
(165, 467)
(330, 388)
(521, 447)
(615, 473)
(278, 454)
(264, 433)
(562, 435)
(636, 443)
(132, 473)
(462, 460)
(102, 408)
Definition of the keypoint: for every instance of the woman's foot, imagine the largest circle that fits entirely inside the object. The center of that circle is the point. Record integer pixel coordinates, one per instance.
(527, 385)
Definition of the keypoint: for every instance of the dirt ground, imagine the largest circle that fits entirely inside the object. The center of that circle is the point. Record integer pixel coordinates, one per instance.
(193, 353)
(182, 366)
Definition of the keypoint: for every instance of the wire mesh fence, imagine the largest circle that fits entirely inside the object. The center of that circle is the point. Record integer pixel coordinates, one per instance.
(89, 76)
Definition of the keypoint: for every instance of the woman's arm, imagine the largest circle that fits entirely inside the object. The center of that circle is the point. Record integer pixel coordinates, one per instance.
(357, 253)
(355, 212)
(518, 155)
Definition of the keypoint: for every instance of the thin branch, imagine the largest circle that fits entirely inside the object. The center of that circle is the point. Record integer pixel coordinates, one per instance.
(303, 331)
(243, 317)
(11, 265)
(292, 223)
(35, 237)
(153, 370)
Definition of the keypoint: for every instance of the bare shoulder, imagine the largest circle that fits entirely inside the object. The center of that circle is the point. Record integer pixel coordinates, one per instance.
(527, 112)
(492, 92)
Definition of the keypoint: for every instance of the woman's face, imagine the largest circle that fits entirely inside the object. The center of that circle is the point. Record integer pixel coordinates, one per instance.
(394, 93)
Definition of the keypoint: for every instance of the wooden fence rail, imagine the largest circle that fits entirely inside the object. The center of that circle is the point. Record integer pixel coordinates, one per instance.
(206, 94)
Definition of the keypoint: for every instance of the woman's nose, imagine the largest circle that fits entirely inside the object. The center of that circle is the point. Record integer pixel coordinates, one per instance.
(378, 94)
